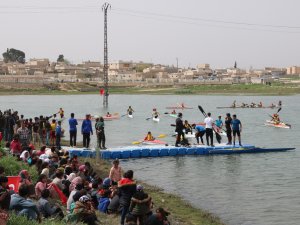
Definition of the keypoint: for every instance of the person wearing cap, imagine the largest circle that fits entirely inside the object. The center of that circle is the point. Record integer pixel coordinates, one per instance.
(179, 129)
(86, 131)
(228, 120)
(73, 130)
(158, 218)
(85, 211)
(140, 204)
(127, 188)
(209, 122)
(4, 199)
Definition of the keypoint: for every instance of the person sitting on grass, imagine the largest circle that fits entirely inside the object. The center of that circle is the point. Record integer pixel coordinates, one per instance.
(41, 185)
(85, 211)
(158, 218)
(15, 146)
(24, 206)
(4, 199)
(45, 207)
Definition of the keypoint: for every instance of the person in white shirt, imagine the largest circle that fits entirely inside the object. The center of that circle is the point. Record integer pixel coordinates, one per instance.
(209, 129)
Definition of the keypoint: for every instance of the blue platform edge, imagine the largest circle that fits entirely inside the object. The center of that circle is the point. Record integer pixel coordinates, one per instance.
(163, 151)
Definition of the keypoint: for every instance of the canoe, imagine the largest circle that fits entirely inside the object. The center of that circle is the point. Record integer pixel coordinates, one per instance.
(280, 125)
(248, 107)
(155, 119)
(178, 107)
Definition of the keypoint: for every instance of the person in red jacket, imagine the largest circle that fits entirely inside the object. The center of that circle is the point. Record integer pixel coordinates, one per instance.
(15, 146)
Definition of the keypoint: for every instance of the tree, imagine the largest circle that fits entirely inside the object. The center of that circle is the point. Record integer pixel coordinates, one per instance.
(14, 55)
(61, 58)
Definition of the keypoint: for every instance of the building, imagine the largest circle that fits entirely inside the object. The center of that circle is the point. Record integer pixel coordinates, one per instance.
(293, 70)
(121, 65)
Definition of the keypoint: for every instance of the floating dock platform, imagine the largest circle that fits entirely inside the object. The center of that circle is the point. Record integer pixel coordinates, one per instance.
(164, 151)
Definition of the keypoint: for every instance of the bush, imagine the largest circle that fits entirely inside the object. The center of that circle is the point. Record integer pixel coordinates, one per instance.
(13, 167)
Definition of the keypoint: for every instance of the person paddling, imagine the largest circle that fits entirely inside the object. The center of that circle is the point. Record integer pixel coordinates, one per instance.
(155, 113)
(149, 137)
(130, 110)
(236, 127)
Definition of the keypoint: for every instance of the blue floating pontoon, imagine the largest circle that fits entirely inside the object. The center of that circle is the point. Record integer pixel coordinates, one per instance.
(162, 151)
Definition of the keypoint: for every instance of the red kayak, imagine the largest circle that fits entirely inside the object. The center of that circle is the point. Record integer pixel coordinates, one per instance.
(178, 107)
(115, 116)
(154, 142)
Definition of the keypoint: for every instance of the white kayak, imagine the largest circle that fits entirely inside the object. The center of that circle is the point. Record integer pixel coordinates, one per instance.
(173, 115)
(279, 125)
(155, 119)
(130, 116)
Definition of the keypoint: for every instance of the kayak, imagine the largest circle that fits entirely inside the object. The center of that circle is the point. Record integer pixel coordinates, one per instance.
(178, 107)
(248, 107)
(114, 116)
(280, 125)
(173, 115)
(130, 116)
(155, 119)
(154, 142)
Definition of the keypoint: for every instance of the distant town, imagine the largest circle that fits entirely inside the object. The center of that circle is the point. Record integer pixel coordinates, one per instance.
(43, 71)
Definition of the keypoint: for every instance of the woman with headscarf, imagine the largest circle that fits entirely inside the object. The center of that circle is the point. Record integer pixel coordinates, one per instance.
(25, 156)
(85, 211)
(74, 182)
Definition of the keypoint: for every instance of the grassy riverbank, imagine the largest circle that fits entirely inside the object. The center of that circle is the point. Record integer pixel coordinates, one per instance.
(182, 213)
(277, 88)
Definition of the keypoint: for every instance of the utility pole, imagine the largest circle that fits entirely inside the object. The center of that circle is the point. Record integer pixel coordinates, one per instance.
(105, 7)
(177, 64)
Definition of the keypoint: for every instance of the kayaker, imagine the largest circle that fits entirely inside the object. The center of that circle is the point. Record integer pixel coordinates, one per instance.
(209, 122)
(260, 105)
(279, 104)
(272, 106)
(188, 128)
(149, 137)
(252, 105)
(155, 114)
(219, 122)
(173, 112)
(236, 127)
(179, 129)
(61, 113)
(233, 104)
(130, 110)
(228, 120)
(275, 118)
(108, 114)
(200, 131)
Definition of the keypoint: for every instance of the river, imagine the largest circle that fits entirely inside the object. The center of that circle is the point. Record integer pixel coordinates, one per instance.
(248, 189)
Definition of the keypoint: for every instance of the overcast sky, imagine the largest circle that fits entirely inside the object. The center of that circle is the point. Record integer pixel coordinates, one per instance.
(254, 33)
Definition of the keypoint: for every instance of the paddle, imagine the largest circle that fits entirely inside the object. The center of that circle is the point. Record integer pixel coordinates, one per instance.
(162, 136)
(218, 136)
(124, 115)
(148, 118)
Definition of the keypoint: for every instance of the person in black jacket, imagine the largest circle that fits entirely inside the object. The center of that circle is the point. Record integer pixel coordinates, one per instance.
(127, 188)
(179, 129)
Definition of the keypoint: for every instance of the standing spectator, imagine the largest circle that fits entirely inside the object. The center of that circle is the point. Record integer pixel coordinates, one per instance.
(115, 173)
(127, 188)
(4, 200)
(209, 129)
(29, 126)
(9, 128)
(58, 133)
(73, 130)
(86, 130)
(100, 132)
(23, 133)
(48, 131)
(42, 129)
(236, 127)
(23, 206)
(2, 123)
(228, 120)
(35, 131)
(179, 130)
(52, 133)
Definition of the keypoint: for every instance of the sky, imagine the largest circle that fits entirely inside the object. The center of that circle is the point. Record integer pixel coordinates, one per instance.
(254, 33)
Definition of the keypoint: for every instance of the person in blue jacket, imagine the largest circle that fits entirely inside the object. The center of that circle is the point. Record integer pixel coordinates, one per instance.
(73, 130)
(200, 131)
(236, 127)
(58, 134)
(86, 130)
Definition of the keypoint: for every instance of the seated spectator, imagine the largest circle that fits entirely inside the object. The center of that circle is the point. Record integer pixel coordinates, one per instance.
(140, 205)
(105, 194)
(159, 218)
(4, 200)
(15, 146)
(46, 209)
(23, 206)
(130, 220)
(85, 211)
(41, 185)
(78, 188)
(45, 169)
(74, 182)
(58, 179)
(25, 156)
(41, 151)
